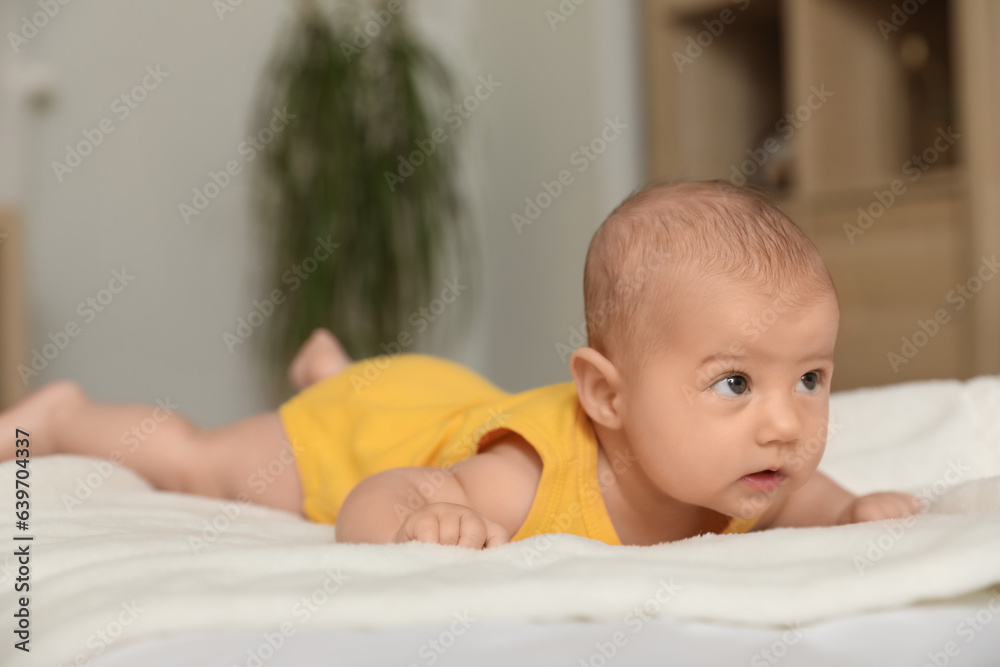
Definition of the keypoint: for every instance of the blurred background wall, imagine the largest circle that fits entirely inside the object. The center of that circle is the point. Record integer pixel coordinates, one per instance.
(561, 83)
(872, 122)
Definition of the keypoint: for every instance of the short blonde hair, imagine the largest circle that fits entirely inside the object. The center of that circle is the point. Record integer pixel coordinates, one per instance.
(717, 230)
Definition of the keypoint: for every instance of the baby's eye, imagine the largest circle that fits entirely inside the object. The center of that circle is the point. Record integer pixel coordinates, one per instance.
(810, 381)
(734, 385)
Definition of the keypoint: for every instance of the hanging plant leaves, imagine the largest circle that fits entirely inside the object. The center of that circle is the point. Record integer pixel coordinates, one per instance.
(343, 170)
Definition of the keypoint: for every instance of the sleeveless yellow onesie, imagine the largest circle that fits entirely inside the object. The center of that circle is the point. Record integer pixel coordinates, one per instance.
(418, 410)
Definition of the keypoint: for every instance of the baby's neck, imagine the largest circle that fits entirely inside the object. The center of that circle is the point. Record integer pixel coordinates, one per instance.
(641, 513)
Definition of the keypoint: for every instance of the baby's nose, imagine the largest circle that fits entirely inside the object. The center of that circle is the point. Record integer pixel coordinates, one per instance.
(780, 422)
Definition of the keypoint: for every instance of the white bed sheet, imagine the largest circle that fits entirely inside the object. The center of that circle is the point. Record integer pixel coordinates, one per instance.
(128, 545)
(935, 634)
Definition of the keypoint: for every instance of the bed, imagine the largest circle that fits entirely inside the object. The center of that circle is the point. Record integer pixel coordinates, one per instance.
(125, 575)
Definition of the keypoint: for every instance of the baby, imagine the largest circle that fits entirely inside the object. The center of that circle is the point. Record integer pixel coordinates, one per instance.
(700, 405)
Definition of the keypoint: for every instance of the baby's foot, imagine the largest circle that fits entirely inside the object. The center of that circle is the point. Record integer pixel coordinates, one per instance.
(35, 415)
(320, 357)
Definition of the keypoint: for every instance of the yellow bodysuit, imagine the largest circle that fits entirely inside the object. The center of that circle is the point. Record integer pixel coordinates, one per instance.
(418, 410)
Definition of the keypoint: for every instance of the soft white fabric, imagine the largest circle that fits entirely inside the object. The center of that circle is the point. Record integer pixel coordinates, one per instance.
(114, 561)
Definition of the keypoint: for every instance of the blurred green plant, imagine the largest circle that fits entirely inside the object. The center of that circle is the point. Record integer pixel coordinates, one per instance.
(357, 107)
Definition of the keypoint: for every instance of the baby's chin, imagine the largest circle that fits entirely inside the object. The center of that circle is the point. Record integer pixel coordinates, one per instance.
(741, 506)
(750, 504)
(737, 499)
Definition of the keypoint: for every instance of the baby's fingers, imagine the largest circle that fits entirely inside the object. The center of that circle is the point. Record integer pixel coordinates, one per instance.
(912, 504)
(478, 532)
(426, 528)
(890, 506)
(496, 535)
(897, 505)
(909, 505)
(473, 531)
(450, 528)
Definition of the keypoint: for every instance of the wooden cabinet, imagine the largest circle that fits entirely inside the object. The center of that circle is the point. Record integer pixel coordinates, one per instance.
(11, 319)
(873, 123)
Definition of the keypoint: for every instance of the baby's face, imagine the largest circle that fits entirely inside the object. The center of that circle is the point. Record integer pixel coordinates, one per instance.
(742, 386)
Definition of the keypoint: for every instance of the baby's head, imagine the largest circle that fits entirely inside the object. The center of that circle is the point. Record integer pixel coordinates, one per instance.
(711, 322)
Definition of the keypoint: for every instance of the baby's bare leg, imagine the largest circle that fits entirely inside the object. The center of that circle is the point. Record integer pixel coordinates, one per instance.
(250, 459)
(320, 357)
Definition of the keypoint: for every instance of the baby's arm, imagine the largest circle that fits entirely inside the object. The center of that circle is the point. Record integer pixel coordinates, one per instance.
(478, 502)
(823, 502)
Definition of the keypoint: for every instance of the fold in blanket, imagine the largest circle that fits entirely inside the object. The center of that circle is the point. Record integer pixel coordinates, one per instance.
(113, 561)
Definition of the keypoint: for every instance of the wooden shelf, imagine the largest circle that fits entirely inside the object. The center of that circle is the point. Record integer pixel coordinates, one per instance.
(11, 312)
(842, 108)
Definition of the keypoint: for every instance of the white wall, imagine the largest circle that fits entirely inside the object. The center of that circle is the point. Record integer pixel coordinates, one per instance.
(561, 86)
(162, 336)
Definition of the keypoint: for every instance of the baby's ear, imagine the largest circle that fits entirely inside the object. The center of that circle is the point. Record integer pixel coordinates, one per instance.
(598, 385)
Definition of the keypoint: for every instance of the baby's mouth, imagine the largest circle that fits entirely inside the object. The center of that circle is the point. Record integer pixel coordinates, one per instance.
(765, 480)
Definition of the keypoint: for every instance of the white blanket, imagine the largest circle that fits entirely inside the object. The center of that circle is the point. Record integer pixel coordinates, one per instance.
(114, 561)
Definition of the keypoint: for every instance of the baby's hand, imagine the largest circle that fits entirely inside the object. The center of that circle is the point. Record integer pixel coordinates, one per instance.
(878, 506)
(448, 523)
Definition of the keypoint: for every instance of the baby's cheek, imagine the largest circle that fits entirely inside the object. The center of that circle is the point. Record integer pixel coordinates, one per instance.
(670, 469)
(697, 474)
(801, 469)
